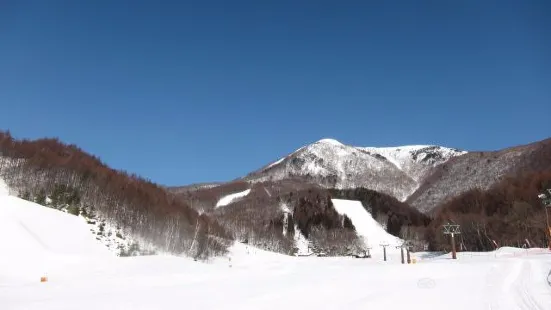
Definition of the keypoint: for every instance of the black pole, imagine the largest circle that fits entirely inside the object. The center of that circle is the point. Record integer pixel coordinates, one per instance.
(454, 255)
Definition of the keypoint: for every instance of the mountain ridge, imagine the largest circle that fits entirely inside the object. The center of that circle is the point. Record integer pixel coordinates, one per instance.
(416, 174)
(334, 164)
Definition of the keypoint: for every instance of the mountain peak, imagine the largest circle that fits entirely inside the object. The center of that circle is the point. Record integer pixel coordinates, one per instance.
(397, 171)
(330, 141)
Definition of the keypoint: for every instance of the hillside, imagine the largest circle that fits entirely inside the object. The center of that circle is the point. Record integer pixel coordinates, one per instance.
(29, 229)
(479, 170)
(509, 214)
(282, 215)
(64, 177)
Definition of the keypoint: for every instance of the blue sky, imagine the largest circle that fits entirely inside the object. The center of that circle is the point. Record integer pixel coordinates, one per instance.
(182, 92)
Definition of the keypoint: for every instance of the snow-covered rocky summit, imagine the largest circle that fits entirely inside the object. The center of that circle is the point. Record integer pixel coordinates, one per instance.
(397, 171)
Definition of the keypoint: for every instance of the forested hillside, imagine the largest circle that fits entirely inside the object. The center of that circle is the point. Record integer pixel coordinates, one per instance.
(509, 213)
(277, 216)
(53, 173)
(480, 170)
(272, 214)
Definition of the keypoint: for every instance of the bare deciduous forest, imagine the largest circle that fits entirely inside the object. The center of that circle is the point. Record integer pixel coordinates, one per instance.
(141, 208)
(509, 213)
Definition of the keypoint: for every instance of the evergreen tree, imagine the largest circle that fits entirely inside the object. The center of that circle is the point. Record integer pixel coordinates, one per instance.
(41, 197)
(26, 195)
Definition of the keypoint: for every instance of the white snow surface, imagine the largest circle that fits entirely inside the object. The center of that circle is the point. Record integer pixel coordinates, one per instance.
(41, 240)
(366, 227)
(301, 243)
(275, 163)
(226, 200)
(397, 155)
(330, 141)
(37, 241)
(406, 157)
(249, 278)
(26, 227)
(4, 190)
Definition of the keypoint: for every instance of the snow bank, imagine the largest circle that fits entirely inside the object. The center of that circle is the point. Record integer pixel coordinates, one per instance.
(366, 227)
(226, 200)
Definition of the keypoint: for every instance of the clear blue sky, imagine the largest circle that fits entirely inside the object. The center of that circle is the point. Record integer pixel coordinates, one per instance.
(182, 92)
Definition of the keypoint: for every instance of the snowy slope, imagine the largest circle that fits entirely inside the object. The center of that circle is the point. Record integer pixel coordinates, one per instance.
(226, 200)
(26, 227)
(254, 279)
(397, 171)
(366, 227)
(37, 241)
(31, 229)
(415, 160)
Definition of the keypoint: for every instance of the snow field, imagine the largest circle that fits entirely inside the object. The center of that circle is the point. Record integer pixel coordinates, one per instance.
(366, 227)
(29, 228)
(37, 241)
(82, 274)
(226, 200)
(254, 279)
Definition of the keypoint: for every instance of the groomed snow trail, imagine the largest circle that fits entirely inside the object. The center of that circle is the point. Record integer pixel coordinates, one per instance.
(519, 284)
(226, 200)
(366, 227)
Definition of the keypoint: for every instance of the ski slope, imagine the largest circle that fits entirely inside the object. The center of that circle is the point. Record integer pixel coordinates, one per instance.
(366, 227)
(31, 229)
(254, 279)
(36, 240)
(82, 274)
(226, 200)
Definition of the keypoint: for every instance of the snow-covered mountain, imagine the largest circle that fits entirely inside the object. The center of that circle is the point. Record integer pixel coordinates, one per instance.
(397, 171)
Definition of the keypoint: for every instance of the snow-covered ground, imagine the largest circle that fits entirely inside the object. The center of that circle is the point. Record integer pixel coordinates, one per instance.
(255, 279)
(4, 190)
(372, 233)
(226, 200)
(37, 241)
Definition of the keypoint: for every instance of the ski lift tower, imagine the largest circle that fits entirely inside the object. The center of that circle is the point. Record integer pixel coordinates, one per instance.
(546, 201)
(408, 246)
(384, 245)
(452, 229)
